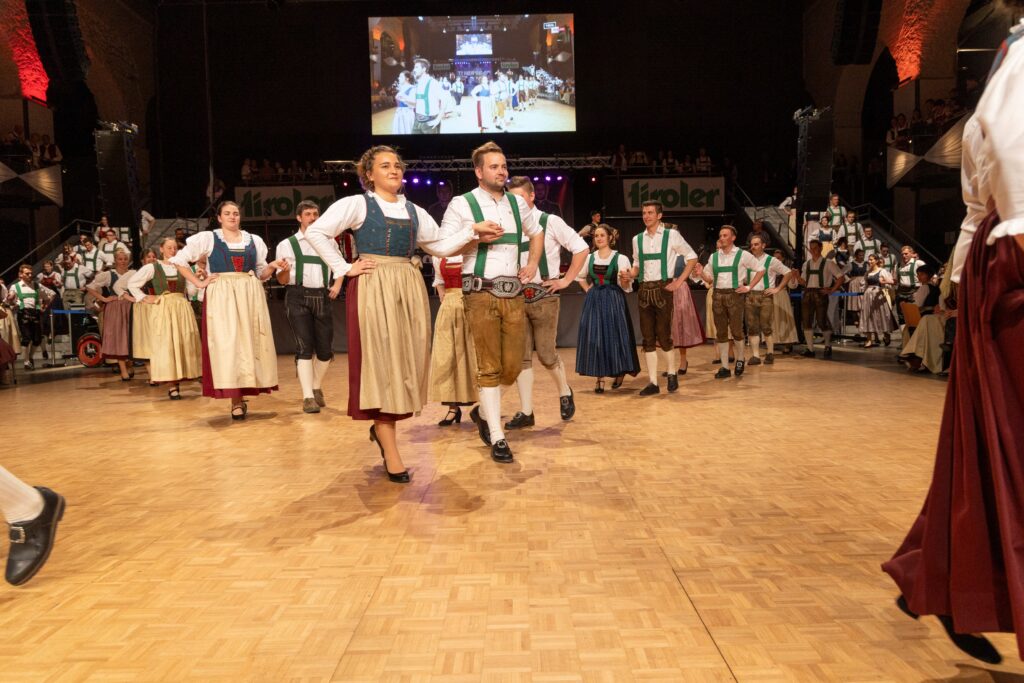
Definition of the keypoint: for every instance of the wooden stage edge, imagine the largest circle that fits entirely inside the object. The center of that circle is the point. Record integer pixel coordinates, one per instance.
(731, 531)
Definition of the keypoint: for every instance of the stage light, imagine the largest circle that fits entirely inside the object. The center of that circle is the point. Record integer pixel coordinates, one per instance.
(345, 184)
(547, 179)
(415, 181)
(526, 16)
(420, 18)
(536, 179)
(429, 181)
(593, 179)
(405, 180)
(441, 183)
(559, 178)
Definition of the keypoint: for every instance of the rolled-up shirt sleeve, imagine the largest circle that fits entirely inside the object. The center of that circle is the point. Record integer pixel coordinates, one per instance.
(139, 280)
(346, 213)
(196, 247)
(442, 240)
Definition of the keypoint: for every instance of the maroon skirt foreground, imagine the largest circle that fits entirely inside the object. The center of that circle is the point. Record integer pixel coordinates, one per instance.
(7, 355)
(964, 555)
(117, 330)
(355, 361)
(207, 379)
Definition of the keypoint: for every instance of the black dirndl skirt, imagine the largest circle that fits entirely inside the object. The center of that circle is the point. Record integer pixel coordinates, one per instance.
(606, 345)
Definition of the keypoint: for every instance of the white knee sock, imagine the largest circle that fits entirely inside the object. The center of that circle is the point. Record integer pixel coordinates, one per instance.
(558, 373)
(319, 371)
(673, 362)
(304, 367)
(740, 349)
(652, 366)
(525, 384)
(723, 352)
(490, 410)
(19, 502)
(755, 345)
(770, 340)
(828, 337)
(809, 339)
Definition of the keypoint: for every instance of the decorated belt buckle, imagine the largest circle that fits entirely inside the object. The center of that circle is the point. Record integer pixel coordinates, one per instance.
(506, 287)
(471, 284)
(533, 292)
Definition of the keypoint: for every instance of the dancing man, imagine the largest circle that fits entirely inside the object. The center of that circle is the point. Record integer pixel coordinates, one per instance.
(307, 302)
(543, 304)
(655, 251)
(821, 278)
(760, 307)
(492, 282)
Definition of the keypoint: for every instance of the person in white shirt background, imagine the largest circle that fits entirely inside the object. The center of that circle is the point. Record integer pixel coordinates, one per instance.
(29, 299)
(110, 289)
(760, 304)
(821, 278)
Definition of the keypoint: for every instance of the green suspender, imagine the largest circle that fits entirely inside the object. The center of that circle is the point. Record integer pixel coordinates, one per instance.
(74, 273)
(22, 296)
(767, 262)
(426, 100)
(734, 268)
(820, 272)
(610, 274)
(544, 257)
(911, 271)
(301, 260)
(663, 256)
(95, 260)
(160, 279)
(507, 238)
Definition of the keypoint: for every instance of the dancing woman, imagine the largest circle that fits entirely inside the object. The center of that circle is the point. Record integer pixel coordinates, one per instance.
(239, 358)
(606, 345)
(173, 343)
(876, 316)
(387, 310)
(110, 288)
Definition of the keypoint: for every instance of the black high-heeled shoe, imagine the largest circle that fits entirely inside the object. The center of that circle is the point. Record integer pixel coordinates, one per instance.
(979, 647)
(454, 416)
(618, 381)
(599, 387)
(400, 478)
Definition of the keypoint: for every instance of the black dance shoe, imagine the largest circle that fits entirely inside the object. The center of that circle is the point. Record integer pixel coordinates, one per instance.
(807, 353)
(682, 371)
(828, 352)
(481, 425)
(723, 373)
(650, 390)
(756, 360)
(567, 406)
(318, 396)
(673, 383)
(978, 647)
(399, 477)
(618, 382)
(500, 452)
(769, 359)
(599, 387)
(454, 416)
(740, 365)
(32, 540)
(520, 421)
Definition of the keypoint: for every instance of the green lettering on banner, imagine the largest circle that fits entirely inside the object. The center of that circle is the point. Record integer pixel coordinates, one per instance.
(279, 204)
(680, 197)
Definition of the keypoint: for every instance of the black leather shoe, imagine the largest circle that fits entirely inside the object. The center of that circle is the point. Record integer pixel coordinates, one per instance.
(682, 370)
(32, 540)
(740, 365)
(618, 381)
(828, 352)
(756, 360)
(520, 420)
(481, 425)
(807, 353)
(500, 452)
(650, 390)
(978, 647)
(568, 406)
(723, 373)
(769, 359)
(673, 383)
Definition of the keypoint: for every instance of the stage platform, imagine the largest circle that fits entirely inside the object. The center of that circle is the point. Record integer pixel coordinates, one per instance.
(732, 531)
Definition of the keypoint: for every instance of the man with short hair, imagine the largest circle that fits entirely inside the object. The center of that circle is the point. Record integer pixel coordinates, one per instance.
(757, 230)
(655, 251)
(307, 303)
(835, 213)
(906, 275)
(868, 243)
(888, 260)
(821, 277)
(542, 306)
(851, 231)
(587, 231)
(29, 300)
(726, 270)
(492, 282)
(430, 99)
(760, 304)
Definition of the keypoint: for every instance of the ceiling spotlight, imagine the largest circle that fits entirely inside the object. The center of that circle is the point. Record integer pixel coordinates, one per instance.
(558, 178)
(415, 181)
(547, 179)
(429, 181)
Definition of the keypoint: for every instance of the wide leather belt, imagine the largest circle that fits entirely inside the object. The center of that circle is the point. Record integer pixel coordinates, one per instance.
(534, 292)
(502, 287)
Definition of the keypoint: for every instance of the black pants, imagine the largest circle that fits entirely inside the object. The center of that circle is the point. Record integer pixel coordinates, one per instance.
(30, 326)
(309, 314)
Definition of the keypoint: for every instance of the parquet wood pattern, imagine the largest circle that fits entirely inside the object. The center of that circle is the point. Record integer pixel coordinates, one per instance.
(730, 532)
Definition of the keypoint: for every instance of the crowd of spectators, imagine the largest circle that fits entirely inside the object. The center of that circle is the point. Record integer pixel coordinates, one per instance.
(666, 162)
(29, 152)
(938, 116)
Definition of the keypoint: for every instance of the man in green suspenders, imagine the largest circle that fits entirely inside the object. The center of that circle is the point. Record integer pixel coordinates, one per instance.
(29, 301)
(429, 108)
(542, 307)
(307, 302)
(726, 271)
(654, 252)
(760, 305)
(906, 277)
(821, 278)
(492, 284)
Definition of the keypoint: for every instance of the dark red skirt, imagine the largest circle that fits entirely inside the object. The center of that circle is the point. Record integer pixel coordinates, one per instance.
(355, 361)
(964, 555)
(7, 355)
(208, 388)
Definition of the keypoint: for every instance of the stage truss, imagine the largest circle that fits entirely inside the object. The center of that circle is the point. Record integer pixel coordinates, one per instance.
(460, 165)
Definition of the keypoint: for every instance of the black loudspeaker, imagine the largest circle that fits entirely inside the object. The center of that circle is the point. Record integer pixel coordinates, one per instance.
(59, 39)
(119, 179)
(855, 32)
(814, 160)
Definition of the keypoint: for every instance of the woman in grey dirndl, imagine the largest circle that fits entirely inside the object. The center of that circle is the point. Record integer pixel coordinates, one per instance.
(387, 312)
(876, 316)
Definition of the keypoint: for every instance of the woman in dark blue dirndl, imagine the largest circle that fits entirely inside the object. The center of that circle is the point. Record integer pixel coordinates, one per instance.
(606, 345)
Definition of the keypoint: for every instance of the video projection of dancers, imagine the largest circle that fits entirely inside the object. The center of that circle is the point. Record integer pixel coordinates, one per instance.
(509, 73)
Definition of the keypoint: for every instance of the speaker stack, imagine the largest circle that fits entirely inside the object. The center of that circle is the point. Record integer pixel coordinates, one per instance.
(119, 179)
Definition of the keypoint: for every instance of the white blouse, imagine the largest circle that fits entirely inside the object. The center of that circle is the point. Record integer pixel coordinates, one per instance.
(144, 274)
(622, 262)
(103, 280)
(201, 244)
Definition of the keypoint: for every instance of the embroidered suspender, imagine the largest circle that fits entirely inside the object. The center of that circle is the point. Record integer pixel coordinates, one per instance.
(507, 238)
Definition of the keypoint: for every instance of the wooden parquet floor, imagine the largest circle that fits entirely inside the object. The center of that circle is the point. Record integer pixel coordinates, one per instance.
(730, 532)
